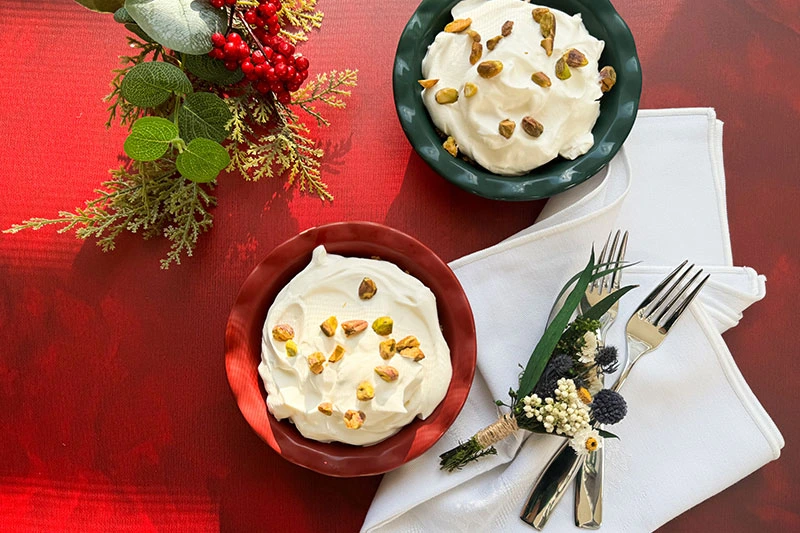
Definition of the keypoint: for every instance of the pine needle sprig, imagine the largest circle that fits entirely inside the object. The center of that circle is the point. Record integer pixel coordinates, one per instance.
(302, 16)
(187, 207)
(149, 198)
(328, 88)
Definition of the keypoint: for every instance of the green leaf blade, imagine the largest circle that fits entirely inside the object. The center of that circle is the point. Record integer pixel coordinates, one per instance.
(599, 309)
(180, 25)
(204, 115)
(150, 84)
(210, 69)
(544, 348)
(150, 138)
(202, 160)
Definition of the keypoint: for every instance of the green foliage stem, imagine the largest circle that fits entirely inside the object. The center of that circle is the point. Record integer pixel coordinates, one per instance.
(544, 348)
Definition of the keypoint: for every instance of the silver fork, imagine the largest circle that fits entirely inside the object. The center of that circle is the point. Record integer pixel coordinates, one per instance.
(589, 483)
(645, 331)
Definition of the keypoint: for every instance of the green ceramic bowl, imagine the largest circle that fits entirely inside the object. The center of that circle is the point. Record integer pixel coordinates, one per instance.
(617, 108)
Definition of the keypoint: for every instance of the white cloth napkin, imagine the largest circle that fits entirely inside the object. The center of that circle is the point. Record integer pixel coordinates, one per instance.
(693, 426)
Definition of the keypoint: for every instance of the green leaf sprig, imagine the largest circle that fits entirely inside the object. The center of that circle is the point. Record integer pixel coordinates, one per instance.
(199, 121)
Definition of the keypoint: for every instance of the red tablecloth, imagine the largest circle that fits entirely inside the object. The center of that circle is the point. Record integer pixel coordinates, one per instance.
(115, 410)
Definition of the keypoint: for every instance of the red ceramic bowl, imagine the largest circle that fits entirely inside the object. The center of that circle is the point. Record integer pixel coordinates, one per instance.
(243, 347)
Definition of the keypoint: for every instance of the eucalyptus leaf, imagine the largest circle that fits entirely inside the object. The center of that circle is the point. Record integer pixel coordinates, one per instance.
(133, 28)
(149, 138)
(204, 115)
(180, 25)
(122, 16)
(210, 69)
(202, 160)
(103, 6)
(544, 348)
(150, 84)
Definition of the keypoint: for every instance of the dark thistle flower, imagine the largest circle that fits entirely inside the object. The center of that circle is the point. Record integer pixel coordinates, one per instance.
(608, 407)
(546, 387)
(558, 367)
(560, 364)
(607, 359)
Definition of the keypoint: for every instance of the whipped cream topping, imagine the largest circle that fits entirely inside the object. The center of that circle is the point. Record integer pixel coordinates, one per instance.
(328, 286)
(568, 109)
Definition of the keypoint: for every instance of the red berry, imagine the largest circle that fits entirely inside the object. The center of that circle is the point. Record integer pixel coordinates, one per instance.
(251, 76)
(280, 70)
(284, 98)
(290, 72)
(244, 50)
(234, 37)
(278, 59)
(276, 86)
(260, 34)
(303, 74)
(258, 57)
(277, 5)
(272, 20)
(216, 53)
(292, 86)
(267, 10)
(259, 70)
(217, 3)
(231, 65)
(260, 22)
(247, 66)
(269, 74)
(262, 87)
(231, 50)
(218, 40)
(286, 48)
(301, 62)
(268, 53)
(250, 16)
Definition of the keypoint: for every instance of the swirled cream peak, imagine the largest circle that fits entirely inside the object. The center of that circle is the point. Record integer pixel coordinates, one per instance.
(567, 109)
(326, 405)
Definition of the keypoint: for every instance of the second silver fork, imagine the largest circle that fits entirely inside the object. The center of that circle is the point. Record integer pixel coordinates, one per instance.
(589, 481)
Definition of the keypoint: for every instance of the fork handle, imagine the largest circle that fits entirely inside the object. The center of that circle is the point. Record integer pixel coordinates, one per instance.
(589, 492)
(589, 483)
(551, 486)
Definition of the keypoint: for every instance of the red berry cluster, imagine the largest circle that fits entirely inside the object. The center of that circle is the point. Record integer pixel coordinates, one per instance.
(272, 66)
(219, 3)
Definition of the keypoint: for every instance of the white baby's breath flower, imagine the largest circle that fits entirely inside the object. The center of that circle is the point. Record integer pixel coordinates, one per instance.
(564, 415)
(586, 440)
(589, 348)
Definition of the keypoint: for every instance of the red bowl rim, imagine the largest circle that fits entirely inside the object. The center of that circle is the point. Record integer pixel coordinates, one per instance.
(243, 346)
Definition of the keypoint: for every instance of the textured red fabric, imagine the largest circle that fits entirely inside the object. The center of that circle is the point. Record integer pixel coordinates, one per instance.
(115, 410)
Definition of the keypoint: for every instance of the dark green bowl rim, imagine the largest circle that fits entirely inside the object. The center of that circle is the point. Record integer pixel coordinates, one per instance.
(549, 179)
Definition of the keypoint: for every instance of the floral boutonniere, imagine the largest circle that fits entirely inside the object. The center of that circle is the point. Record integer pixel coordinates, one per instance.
(559, 391)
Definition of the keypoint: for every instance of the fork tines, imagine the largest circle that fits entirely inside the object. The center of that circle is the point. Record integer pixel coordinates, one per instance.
(614, 256)
(669, 299)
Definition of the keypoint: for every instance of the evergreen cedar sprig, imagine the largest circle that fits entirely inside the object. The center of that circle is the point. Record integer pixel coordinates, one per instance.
(265, 139)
